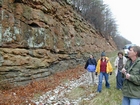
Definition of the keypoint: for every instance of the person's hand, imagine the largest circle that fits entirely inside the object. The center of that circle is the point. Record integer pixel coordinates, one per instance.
(127, 75)
(123, 71)
(110, 73)
(96, 73)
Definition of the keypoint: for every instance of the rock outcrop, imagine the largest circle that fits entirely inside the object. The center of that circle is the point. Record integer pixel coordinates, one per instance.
(40, 37)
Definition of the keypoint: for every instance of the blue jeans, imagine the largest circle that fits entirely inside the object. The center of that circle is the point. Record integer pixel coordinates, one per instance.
(101, 79)
(119, 80)
(130, 101)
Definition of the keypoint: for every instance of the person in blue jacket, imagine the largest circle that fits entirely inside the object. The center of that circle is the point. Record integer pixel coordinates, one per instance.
(91, 67)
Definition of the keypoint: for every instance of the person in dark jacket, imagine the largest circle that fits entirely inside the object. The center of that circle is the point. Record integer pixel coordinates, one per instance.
(91, 67)
(131, 74)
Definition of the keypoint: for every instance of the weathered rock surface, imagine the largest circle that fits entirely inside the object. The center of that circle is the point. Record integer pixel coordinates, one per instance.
(40, 37)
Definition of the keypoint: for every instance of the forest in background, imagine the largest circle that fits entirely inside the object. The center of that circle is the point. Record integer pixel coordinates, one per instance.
(101, 18)
(24, 94)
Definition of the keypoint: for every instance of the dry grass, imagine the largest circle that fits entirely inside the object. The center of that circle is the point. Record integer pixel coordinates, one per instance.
(22, 95)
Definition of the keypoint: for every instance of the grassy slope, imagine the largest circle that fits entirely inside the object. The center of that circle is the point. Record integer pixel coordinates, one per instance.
(35, 89)
(110, 96)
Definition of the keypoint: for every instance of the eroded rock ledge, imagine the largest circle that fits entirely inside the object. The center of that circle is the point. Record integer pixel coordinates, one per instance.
(40, 37)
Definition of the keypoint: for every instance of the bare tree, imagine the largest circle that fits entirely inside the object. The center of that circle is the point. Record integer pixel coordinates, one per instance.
(99, 15)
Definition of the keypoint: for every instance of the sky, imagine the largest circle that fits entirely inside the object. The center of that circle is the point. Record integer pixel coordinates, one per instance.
(127, 16)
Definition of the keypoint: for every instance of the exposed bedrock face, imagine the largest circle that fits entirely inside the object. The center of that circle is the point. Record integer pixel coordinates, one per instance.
(40, 37)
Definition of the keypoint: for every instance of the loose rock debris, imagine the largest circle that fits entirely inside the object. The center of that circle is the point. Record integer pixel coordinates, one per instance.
(57, 96)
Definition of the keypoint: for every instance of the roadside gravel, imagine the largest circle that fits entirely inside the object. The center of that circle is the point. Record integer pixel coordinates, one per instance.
(57, 96)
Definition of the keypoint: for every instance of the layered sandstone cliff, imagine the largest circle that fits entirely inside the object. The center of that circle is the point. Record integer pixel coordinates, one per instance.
(39, 37)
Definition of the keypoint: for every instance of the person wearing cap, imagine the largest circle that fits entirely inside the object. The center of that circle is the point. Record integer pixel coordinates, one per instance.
(131, 74)
(119, 63)
(91, 67)
(103, 69)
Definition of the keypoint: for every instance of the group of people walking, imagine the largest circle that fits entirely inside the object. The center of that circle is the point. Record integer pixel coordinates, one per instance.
(103, 68)
(127, 72)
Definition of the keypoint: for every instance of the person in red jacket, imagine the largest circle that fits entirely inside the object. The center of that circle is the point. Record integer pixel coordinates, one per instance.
(103, 68)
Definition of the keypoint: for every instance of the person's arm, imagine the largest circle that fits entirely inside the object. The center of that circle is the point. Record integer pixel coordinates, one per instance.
(86, 65)
(110, 68)
(124, 69)
(116, 62)
(125, 60)
(98, 67)
(95, 62)
(135, 77)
